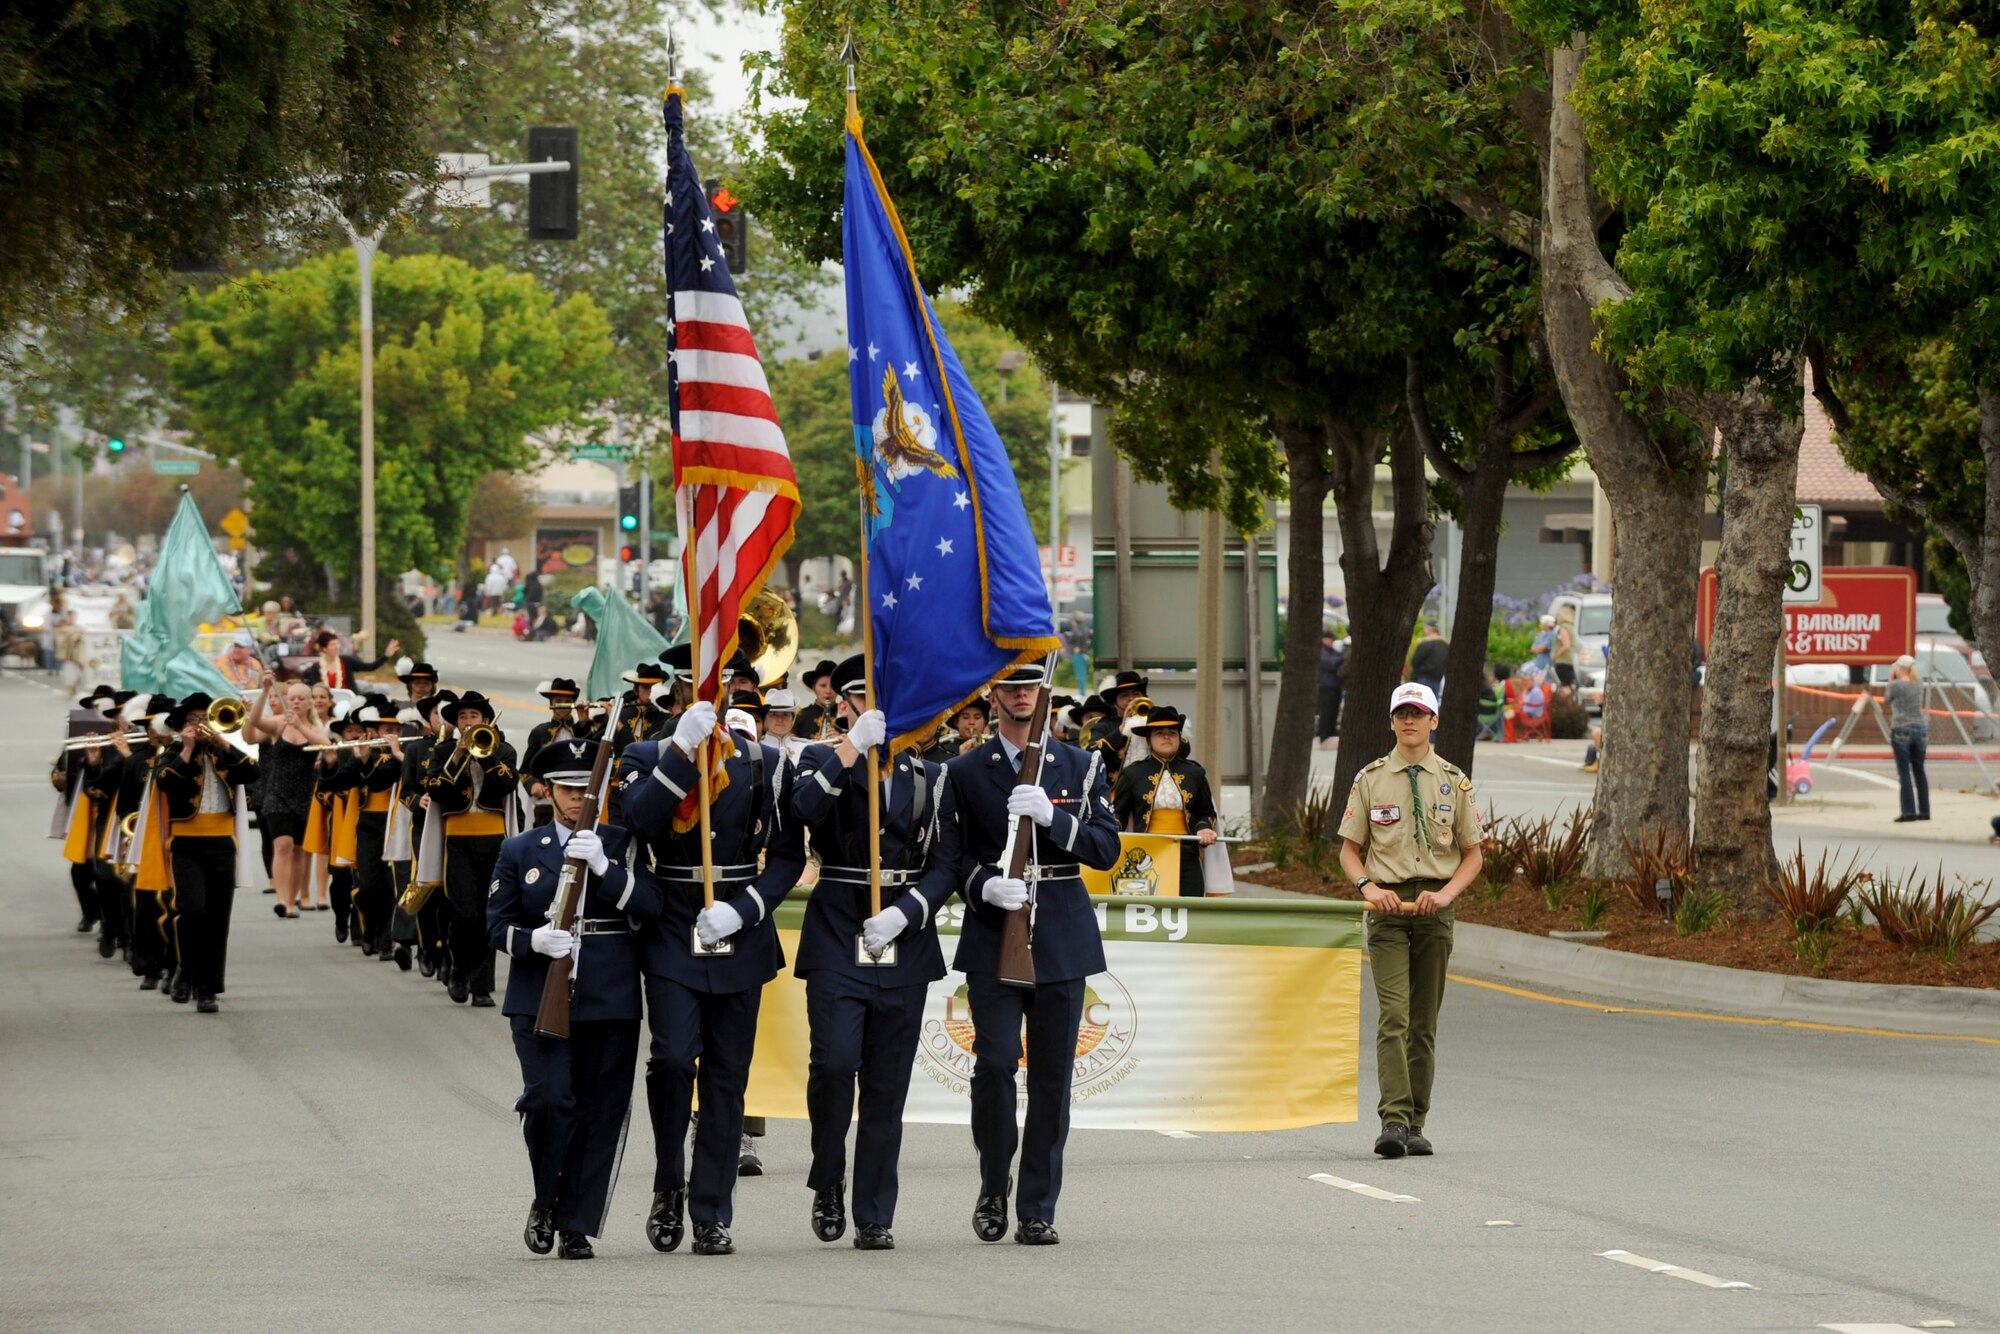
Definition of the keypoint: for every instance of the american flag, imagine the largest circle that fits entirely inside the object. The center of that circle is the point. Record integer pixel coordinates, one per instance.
(735, 494)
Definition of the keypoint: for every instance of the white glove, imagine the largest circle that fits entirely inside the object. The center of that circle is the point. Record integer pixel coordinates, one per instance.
(695, 725)
(868, 731)
(879, 930)
(588, 848)
(1005, 894)
(1031, 802)
(552, 940)
(717, 923)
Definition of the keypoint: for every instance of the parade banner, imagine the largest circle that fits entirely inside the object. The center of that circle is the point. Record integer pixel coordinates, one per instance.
(1212, 1016)
(1149, 865)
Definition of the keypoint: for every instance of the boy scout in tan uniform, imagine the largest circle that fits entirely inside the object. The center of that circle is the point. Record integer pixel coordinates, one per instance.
(1410, 842)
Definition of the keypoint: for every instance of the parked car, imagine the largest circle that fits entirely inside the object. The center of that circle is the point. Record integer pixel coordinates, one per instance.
(1593, 637)
(1934, 623)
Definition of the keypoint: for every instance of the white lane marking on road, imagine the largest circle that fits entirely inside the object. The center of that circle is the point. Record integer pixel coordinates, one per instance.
(1501, 1222)
(1890, 1329)
(1877, 779)
(1372, 1192)
(1567, 762)
(1178, 1134)
(1672, 1271)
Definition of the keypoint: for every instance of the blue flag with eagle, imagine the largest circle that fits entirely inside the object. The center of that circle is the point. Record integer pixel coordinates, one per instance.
(955, 580)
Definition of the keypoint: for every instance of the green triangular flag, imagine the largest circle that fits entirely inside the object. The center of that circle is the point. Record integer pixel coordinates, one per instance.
(624, 640)
(188, 588)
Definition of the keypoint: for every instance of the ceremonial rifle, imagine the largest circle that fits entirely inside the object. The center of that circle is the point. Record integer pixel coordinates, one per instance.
(1017, 959)
(552, 1020)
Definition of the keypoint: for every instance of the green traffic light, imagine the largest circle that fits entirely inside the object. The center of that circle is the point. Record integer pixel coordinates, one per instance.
(629, 522)
(116, 446)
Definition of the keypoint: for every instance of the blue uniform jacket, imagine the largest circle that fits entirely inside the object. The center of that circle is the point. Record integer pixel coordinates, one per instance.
(831, 800)
(1066, 941)
(744, 819)
(524, 888)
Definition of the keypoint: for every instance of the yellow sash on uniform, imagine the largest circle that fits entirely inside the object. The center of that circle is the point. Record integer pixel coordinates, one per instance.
(1167, 822)
(319, 819)
(375, 803)
(216, 824)
(346, 827)
(76, 848)
(156, 868)
(472, 823)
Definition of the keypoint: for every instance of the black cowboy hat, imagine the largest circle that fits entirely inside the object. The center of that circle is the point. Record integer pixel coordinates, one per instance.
(179, 715)
(825, 669)
(680, 658)
(1163, 717)
(472, 699)
(645, 674)
(982, 704)
(1129, 681)
(562, 690)
(418, 671)
(1093, 704)
(739, 667)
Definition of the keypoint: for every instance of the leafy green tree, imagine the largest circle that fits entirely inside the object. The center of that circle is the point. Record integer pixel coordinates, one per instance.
(142, 133)
(468, 362)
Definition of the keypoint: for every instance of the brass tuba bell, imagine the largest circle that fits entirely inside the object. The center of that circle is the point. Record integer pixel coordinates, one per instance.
(768, 634)
(227, 715)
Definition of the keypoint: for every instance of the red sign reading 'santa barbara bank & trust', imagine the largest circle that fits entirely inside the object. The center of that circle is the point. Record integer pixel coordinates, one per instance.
(1866, 613)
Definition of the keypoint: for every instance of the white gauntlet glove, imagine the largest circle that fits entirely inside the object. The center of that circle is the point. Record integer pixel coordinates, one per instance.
(868, 731)
(588, 848)
(552, 940)
(694, 726)
(1033, 803)
(1005, 894)
(879, 930)
(717, 923)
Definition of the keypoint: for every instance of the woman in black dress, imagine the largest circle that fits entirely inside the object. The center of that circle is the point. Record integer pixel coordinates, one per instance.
(280, 725)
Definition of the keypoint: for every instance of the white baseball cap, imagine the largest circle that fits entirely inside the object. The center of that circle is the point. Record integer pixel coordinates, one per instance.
(1413, 692)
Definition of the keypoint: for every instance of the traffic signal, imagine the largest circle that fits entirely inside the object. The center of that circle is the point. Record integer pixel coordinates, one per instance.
(625, 553)
(628, 509)
(115, 445)
(732, 225)
(552, 198)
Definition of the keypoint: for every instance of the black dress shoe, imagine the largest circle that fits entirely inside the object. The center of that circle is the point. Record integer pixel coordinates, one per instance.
(459, 991)
(1905, 819)
(482, 1001)
(1035, 1232)
(427, 966)
(340, 933)
(540, 1233)
(183, 990)
(664, 1227)
(1394, 1140)
(874, 1237)
(574, 1246)
(367, 946)
(87, 924)
(403, 957)
(149, 983)
(106, 947)
(205, 1005)
(989, 1217)
(748, 1164)
(1419, 1147)
(712, 1239)
(829, 1214)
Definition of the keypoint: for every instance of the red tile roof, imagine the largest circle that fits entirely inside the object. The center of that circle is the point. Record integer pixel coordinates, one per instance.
(1824, 477)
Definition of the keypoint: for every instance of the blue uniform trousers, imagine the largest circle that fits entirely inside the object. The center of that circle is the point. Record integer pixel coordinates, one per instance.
(708, 1036)
(860, 1030)
(575, 1099)
(1053, 1012)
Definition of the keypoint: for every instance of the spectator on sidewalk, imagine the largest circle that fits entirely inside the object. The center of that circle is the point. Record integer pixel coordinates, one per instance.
(1491, 708)
(1909, 737)
(1539, 661)
(1562, 653)
(1427, 660)
(1332, 684)
(70, 652)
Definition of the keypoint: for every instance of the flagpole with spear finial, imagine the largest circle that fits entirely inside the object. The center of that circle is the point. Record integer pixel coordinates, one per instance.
(867, 612)
(684, 513)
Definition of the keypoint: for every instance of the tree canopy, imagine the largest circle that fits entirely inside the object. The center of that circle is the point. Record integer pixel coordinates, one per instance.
(468, 362)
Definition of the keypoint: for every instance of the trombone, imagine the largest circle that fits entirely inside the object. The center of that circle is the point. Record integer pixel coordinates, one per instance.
(478, 741)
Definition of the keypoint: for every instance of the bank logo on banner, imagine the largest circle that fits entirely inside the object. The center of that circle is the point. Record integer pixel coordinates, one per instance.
(1136, 875)
(1105, 1041)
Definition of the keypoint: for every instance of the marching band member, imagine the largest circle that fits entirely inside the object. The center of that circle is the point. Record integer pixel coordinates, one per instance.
(430, 911)
(563, 724)
(477, 799)
(576, 1093)
(339, 775)
(89, 787)
(1107, 735)
(144, 856)
(377, 769)
(816, 719)
(780, 723)
(701, 1000)
(1167, 794)
(1071, 809)
(197, 779)
(864, 1005)
(281, 725)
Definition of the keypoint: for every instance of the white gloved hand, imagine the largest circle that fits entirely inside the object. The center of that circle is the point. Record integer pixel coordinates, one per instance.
(695, 725)
(879, 930)
(552, 941)
(868, 731)
(717, 923)
(588, 848)
(1005, 894)
(1033, 803)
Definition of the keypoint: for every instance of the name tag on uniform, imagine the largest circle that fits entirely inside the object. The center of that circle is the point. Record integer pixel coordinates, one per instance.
(1384, 814)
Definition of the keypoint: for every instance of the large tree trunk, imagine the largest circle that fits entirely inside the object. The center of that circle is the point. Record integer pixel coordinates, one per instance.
(1383, 597)
(1981, 551)
(1286, 780)
(1732, 809)
(1481, 499)
(1654, 483)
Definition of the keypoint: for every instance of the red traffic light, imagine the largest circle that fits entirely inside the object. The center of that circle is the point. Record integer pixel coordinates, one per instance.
(724, 201)
(624, 553)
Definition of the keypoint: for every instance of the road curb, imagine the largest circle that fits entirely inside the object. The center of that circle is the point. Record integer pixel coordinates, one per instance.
(1514, 956)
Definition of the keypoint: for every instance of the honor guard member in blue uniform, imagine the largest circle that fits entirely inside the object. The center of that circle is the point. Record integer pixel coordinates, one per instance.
(471, 796)
(867, 976)
(198, 777)
(575, 1094)
(1071, 810)
(702, 1005)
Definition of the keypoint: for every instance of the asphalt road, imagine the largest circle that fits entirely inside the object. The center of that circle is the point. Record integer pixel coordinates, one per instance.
(337, 1150)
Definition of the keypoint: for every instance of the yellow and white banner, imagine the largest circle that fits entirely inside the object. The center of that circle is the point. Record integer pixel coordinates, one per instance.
(1212, 1015)
(1149, 865)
